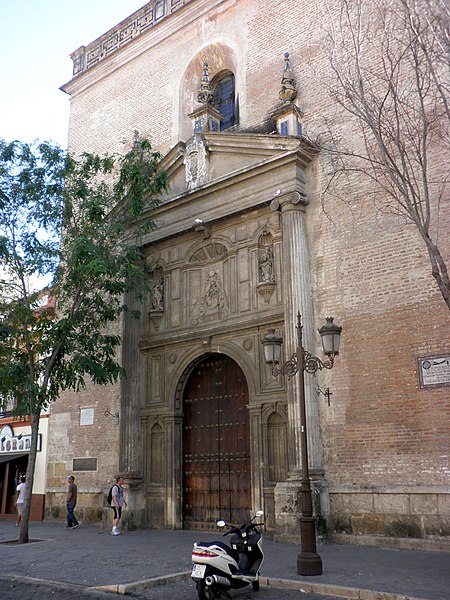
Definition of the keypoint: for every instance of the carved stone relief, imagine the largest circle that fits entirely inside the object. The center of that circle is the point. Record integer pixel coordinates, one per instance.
(196, 163)
(157, 292)
(209, 251)
(248, 344)
(212, 301)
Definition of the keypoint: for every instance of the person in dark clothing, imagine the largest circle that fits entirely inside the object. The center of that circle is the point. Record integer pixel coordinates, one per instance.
(72, 522)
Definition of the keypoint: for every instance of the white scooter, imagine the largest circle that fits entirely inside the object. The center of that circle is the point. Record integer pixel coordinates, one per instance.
(218, 568)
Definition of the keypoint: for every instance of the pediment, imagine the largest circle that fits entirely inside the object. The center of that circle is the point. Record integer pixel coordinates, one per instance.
(208, 157)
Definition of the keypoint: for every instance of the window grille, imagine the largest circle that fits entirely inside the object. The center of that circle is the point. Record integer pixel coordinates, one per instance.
(224, 101)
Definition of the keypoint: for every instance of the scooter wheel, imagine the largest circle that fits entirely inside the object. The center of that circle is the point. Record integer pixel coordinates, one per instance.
(255, 586)
(205, 592)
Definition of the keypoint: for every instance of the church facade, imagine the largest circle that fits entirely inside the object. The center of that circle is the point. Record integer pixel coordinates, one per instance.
(200, 428)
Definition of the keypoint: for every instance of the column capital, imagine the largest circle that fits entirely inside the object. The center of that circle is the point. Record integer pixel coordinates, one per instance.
(290, 200)
(132, 479)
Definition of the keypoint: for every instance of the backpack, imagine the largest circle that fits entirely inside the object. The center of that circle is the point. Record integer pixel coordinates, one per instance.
(109, 496)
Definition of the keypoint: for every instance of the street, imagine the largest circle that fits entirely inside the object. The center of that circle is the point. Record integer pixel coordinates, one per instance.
(186, 591)
(14, 588)
(76, 562)
(31, 589)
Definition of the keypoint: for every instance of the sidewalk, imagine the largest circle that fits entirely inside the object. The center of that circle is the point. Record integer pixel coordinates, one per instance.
(93, 558)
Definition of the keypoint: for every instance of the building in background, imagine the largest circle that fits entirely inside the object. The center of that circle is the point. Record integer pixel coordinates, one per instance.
(200, 429)
(15, 441)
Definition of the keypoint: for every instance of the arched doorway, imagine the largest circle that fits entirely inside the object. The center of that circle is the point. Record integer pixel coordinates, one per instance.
(216, 444)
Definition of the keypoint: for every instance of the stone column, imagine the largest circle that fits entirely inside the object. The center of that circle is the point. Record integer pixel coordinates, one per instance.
(130, 448)
(297, 297)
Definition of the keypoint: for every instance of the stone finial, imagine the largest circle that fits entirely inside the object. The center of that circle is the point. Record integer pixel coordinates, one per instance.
(288, 91)
(136, 144)
(205, 94)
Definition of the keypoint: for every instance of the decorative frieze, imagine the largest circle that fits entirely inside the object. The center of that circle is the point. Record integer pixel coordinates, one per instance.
(146, 17)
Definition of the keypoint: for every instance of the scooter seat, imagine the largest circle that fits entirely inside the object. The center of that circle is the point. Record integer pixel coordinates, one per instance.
(230, 551)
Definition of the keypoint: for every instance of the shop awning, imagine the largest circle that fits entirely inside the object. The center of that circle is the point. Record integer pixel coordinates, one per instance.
(6, 456)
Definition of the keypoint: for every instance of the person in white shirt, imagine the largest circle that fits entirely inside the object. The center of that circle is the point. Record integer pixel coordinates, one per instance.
(20, 499)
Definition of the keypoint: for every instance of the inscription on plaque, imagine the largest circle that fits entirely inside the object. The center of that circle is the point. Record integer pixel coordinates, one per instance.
(434, 371)
(84, 464)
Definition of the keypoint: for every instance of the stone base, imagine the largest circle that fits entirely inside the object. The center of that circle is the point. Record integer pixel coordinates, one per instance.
(134, 516)
(287, 501)
(131, 519)
(417, 513)
(287, 511)
(89, 506)
(436, 545)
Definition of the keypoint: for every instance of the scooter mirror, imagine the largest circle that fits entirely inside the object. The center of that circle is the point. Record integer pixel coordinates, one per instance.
(260, 513)
(221, 523)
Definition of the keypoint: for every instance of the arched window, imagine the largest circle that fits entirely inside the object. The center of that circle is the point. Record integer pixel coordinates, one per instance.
(224, 100)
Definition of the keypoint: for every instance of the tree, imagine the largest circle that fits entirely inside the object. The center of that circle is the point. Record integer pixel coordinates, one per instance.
(390, 74)
(101, 205)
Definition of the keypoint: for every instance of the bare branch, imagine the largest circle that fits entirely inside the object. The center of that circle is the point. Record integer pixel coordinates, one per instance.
(390, 66)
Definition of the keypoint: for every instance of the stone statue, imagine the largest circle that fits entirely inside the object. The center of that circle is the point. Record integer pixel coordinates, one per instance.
(266, 266)
(157, 295)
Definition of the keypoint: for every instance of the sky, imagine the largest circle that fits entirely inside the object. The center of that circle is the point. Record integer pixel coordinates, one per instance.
(37, 38)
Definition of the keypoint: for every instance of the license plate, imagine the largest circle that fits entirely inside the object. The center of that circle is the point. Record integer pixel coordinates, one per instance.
(198, 571)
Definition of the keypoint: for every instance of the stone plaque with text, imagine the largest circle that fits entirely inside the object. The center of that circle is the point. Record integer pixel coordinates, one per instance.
(434, 371)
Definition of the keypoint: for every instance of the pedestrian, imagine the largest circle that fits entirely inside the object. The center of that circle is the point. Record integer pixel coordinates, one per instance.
(72, 522)
(117, 504)
(20, 499)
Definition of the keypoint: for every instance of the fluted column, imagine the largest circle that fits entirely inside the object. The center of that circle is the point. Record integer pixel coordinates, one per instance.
(297, 297)
(130, 460)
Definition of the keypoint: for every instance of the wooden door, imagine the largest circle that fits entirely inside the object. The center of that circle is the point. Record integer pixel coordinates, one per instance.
(216, 447)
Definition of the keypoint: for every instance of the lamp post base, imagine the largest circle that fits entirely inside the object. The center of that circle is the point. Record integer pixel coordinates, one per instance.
(309, 563)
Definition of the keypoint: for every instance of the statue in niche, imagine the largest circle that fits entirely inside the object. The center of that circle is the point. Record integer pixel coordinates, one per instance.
(213, 291)
(213, 298)
(266, 266)
(195, 161)
(157, 295)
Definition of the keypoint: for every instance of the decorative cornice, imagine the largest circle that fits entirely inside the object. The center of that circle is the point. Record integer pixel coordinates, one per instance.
(214, 189)
(183, 17)
(284, 109)
(122, 34)
(189, 335)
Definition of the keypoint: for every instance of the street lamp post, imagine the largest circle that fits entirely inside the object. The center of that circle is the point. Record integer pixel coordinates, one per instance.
(308, 560)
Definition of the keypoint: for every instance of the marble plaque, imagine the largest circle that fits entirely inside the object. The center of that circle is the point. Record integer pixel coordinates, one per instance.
(434, 371)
